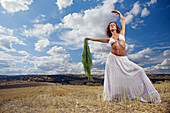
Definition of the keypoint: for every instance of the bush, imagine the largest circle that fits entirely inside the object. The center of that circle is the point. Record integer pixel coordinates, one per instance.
(93, 84)
(159, 82)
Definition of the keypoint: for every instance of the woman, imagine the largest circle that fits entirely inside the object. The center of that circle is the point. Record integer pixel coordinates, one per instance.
(122, 76)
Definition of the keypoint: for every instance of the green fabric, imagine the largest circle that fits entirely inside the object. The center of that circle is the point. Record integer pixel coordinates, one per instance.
(87, 60)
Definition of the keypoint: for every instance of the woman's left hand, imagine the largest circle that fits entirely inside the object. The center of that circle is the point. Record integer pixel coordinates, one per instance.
(116, 12)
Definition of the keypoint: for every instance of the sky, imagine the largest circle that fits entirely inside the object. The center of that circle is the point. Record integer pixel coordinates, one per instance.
(47, 36)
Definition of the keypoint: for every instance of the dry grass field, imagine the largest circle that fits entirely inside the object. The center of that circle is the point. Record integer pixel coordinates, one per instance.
(57, 98)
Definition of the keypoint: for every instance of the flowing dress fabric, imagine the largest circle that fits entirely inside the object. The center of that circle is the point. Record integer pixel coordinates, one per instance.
(125, 78)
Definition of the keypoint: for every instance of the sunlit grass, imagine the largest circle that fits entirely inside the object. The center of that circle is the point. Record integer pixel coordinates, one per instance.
(76, 98)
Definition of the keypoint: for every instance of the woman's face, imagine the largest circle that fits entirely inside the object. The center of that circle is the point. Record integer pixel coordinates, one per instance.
(113, 26)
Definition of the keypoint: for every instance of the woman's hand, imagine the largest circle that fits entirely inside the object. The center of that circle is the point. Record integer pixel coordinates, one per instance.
(87, 38)
(117, 12)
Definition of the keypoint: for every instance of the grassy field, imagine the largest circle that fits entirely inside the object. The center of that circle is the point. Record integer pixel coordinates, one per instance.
(57, 98)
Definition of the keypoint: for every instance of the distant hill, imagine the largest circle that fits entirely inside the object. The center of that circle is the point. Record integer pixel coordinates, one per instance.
(73, 79)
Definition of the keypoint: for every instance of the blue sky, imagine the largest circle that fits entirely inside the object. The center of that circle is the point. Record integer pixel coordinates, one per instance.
(46, 36)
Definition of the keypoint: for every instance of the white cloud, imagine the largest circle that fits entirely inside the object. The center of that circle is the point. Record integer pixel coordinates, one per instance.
(97, 47)
(128, 18)
(23, 53)
(56, 51)
(158, 58)
(135, 24)
(162, 68)
(40, 30)
(141, 57)
(165, 47)
(3, 12)
(13, 6)
(58, 62)
(145, 12)
(6, 42)
(166, 53)
(6, 31)
(129, 48)
(6, 45)
(41, 44)
(39, 19)
(151, 2)
(64, 3)
(136, 8)
(14, 71)
(99, 62)
(166, 62)
(8, 63)
(4, 64)
(86, 24)
(133, 12)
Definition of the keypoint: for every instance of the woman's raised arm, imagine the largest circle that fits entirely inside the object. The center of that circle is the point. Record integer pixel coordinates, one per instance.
(104, 40)
(122, 31)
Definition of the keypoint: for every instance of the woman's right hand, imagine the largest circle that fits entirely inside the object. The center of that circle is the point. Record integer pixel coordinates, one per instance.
(87, 38)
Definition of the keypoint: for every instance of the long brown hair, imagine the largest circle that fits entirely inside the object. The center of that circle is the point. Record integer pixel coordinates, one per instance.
(108, 32)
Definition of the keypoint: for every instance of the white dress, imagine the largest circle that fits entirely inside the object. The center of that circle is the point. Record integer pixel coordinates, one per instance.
(123, 77)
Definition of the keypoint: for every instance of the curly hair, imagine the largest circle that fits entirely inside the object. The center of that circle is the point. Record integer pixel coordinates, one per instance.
(108, 32)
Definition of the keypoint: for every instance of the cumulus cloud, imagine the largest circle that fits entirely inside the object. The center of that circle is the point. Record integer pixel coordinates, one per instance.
(86, 24)
(129, 48)
(4, 64)
(6, 31)
(97, 47)
(56, 51)
(8, 63)
(162, 68)
(41, 44)
(58, 62)
(133, 12)
(166, 53)
(141, 57)
(64, 3)
(166, 62)
(128, 18)
(6, 45)
(135, 24)
(157, 58)
(145, 12)
(151, 2)
(23, 53)
(39, 19)
(99, 62)
(40, 30)
(13, 6)
(6, 42)
(136, 8)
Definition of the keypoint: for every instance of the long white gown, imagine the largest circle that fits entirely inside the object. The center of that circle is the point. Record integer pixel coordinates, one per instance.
(123, 77)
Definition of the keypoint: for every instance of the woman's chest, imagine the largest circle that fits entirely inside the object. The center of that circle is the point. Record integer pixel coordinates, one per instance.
(119, 45)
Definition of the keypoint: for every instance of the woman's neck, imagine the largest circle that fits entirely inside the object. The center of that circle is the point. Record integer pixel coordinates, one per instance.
(114, 33)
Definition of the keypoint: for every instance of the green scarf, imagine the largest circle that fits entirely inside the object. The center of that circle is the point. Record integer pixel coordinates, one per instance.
(87, 60)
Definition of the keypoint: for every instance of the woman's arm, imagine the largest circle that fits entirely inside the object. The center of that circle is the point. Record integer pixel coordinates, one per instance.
(104, 40)
(122, 31)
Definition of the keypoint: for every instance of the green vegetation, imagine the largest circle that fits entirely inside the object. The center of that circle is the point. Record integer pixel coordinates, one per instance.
(87, 60)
